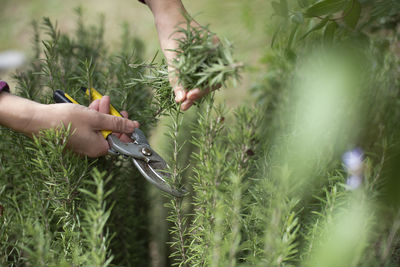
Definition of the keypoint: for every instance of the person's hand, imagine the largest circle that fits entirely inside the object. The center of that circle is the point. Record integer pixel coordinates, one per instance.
(30, 117)
(168, 15)
(103, 105)
(87, 125)
(182, 95)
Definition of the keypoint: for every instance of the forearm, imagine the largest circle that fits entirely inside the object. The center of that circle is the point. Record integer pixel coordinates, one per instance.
(17, 113)
(166, 9)
(168, 14)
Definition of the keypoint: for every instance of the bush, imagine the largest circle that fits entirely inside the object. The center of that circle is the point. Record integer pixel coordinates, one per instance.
(58, 207)
(308, 176)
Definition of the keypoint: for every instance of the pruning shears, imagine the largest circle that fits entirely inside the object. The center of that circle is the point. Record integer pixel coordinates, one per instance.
(151, 165)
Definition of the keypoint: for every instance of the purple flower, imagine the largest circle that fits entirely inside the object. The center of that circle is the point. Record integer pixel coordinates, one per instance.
(354, 182)
(353, 160)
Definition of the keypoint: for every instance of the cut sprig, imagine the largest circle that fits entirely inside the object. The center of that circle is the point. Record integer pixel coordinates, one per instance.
(202, 61)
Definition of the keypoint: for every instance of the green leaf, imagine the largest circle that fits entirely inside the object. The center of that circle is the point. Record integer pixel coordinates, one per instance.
(297, 18)
(325, 7)
(292, 36)
(275, 35)
(330, 30)
(320, 25)
(352, 14)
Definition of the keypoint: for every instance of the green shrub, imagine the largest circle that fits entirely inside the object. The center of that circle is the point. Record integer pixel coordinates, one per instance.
(51, 212)
(266, 184)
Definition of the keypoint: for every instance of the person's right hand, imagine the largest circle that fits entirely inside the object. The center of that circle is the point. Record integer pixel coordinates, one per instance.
(87, 125)
(30, 117)
(103, 105)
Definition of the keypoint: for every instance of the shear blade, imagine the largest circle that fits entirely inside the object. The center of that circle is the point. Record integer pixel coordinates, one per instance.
(153, 174)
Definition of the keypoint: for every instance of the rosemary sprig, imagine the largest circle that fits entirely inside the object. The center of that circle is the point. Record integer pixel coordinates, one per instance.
(201, 60)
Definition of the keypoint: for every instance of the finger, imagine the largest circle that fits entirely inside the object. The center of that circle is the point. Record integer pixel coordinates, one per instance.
(124, 114)
(104, 105)
(180, 94)
(114, 123)
(100, 149)
(196, 93)
(125, 138)
(118, 135)
(95, 146)
(215, 39)
(95, 105)
(186, 105)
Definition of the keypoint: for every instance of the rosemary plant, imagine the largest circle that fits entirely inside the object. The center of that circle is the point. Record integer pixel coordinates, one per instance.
(266, 186)
(50, 213)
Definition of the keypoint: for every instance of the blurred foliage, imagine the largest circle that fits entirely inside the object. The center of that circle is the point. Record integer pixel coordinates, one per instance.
(331, 84)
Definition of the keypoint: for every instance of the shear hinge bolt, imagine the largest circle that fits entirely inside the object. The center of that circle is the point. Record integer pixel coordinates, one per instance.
(146, 151)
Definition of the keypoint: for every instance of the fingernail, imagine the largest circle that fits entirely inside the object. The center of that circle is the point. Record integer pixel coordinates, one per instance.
(179, 96)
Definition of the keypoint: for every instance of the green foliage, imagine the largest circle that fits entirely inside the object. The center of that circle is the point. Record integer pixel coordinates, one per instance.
(209, 233)
(96, 215)
(201, 60)
(326, 90)
(157, 79)
(334, 19)
(52, 211)
(266, 185)
(339, 41)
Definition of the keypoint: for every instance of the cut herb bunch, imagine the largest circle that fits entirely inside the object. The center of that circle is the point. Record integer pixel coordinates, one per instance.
(202, 61)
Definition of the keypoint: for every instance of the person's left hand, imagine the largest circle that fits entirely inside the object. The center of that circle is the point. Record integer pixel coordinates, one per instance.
(168, 16)
(103, 106)
(182, 95)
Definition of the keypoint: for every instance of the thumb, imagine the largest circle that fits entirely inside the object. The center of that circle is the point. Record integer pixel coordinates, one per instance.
(115, 124)
(180, 94)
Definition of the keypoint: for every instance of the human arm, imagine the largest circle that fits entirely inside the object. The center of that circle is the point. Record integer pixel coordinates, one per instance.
(29, 117)
(168, 14)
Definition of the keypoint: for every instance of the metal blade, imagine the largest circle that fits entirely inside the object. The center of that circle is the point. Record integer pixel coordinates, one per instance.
(154, 174)
(149, 163)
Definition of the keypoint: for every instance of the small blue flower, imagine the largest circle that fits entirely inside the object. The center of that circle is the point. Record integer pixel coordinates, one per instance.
(353, 162)
(354, 182)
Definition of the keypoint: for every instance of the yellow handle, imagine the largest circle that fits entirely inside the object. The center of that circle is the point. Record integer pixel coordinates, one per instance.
(70, 98)
(96, 95)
